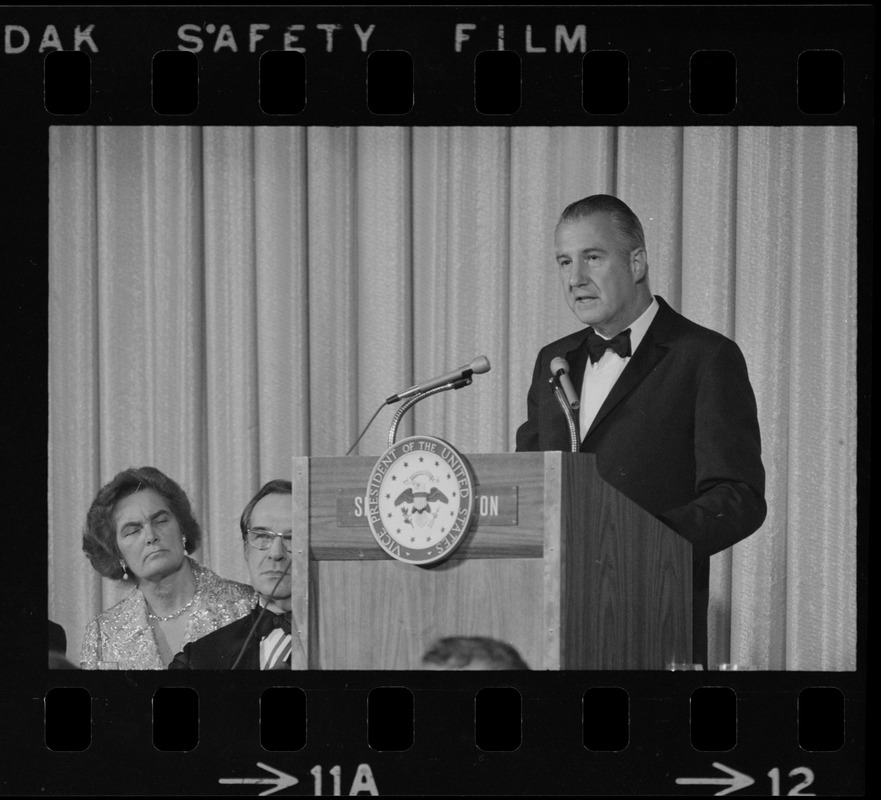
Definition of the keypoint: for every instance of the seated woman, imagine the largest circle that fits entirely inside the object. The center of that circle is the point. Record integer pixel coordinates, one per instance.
(139, 529)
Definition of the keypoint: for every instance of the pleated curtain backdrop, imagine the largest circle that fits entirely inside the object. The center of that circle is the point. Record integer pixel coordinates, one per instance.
(223, 299)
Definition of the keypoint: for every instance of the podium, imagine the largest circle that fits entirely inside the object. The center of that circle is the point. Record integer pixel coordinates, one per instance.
(556, 562)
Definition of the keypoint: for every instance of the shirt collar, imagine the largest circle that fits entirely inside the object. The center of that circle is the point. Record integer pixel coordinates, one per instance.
(640, 325)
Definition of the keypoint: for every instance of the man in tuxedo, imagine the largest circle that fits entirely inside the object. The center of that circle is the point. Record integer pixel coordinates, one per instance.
(665, 404)
(263, 639)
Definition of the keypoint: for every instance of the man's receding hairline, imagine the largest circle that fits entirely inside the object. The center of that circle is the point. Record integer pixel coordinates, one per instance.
(621, 234)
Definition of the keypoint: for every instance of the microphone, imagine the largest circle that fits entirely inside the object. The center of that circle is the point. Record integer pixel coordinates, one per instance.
(476, 367)
(560, 370)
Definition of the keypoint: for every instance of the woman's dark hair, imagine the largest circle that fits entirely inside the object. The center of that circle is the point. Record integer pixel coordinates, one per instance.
(457, 652)
(278, 486)
(99, 533)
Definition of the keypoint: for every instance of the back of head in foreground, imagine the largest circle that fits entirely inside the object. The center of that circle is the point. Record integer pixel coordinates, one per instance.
(471, 653)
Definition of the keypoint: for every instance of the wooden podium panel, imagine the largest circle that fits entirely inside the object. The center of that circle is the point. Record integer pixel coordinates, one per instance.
(406, 608)
(572, 574)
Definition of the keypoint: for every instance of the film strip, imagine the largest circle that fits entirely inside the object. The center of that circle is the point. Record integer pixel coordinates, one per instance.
(317, 732)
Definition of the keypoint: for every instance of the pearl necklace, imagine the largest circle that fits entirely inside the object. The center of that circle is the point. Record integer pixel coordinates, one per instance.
(151, 615)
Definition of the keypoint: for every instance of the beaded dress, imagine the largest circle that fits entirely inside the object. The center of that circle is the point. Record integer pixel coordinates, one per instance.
(122, 634)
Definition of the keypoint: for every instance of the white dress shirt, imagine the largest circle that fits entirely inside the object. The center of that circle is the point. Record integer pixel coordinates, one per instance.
(275, 647)
(599, 378)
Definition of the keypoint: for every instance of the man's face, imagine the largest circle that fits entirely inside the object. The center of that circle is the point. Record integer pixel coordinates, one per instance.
(599, 277)
(272, 566)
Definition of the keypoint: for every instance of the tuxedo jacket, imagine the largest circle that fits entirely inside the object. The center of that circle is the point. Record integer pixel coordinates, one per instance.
(220, 649)
(678, 434)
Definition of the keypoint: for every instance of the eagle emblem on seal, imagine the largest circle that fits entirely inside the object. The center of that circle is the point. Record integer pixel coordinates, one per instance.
(417, 499)
(420, 500)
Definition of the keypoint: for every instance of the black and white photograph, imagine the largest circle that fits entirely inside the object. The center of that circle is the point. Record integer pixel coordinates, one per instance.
(224, 300)
(436, 400)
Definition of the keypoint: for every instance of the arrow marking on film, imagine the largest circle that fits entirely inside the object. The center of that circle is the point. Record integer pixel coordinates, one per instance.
(735, 782)
(281, 780)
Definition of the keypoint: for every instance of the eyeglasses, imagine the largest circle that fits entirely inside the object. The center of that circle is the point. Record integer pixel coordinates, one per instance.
(263, 539)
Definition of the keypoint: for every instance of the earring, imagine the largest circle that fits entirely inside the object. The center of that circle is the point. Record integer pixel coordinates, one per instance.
(185, 543)
(124, 570)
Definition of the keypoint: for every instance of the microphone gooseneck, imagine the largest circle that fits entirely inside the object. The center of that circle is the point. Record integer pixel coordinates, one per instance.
(393, 428)
(452, 380)
(563, 390)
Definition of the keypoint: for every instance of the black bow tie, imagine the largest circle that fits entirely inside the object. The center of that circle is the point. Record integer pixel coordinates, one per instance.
(270, 621)
(597, 345)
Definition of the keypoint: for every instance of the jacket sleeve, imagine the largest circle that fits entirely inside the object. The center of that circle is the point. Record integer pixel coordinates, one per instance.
(730, 479)
(181, 660)
(528, 433)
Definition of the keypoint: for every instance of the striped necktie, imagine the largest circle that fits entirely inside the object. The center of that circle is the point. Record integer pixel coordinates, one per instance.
(275, 646)
(275, 650)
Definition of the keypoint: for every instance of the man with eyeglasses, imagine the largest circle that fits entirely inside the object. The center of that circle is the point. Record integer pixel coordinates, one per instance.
(265, 638)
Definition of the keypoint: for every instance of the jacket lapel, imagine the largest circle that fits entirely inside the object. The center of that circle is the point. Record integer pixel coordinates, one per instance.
(648, 354)
(251, 659)
(577, 360)
(229, 648)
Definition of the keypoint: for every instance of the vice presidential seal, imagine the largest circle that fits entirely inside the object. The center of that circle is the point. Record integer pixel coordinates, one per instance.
(420, 500)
